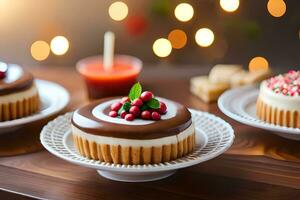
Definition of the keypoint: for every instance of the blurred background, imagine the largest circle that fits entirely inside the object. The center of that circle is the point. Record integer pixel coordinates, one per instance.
(192, 32)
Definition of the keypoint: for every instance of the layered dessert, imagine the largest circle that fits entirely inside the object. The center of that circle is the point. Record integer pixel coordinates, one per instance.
(138, 129)
(18, 93)
(279, 100)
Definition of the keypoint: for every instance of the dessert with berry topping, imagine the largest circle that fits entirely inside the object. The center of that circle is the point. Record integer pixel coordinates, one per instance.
(18, 93)
(279, 100)
(138, 129)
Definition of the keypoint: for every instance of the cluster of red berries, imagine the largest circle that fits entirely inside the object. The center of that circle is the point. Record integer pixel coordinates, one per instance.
(138, 108)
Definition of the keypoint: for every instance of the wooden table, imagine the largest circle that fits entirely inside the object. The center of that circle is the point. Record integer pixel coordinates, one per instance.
(259, 165)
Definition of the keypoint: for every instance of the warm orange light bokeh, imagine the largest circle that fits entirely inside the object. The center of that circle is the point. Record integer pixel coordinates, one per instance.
(276, 8)
(258, 63)
(40, 50)
(177, 38)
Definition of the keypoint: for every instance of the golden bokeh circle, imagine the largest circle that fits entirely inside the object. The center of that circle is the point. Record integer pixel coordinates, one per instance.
(162, 47)
(258, 63)
(229, 5)
(276, 8)
(59, 45)
(118, 10)
(204, 37)
(184, 12)
(177, 38)
(40, 50)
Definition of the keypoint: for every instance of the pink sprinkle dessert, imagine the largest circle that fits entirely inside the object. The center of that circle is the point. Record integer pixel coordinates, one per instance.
(287, 84)
(279, 100)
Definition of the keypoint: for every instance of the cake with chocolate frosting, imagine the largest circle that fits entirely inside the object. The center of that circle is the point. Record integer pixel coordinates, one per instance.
(279, 100)
(18, 93)
(147, 133)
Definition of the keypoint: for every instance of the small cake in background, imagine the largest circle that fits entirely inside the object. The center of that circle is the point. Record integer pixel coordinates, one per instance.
(244, 77)
(18, 93)
(137, 129)
(279, 100)
(223, 77)
(222, 73)
(257, 76)
(238, 79)
(206, 90)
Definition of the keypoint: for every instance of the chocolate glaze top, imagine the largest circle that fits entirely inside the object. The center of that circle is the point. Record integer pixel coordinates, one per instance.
(86, 121)
(16, 80)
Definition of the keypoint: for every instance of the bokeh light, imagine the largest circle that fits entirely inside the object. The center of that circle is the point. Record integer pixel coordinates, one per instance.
(40, 50)
(276, 8)
(162, 47)
(118, 10)
(204, 37)
(177, 38)
(184, 12)
(258, 63)
(229, 5)
(59, 45)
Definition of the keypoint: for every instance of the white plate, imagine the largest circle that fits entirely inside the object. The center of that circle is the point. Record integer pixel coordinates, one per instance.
(240, 104)
(213, 137)
(53, 97)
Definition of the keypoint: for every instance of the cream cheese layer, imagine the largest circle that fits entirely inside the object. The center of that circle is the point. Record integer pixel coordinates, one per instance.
(19, 96)
(174, 139)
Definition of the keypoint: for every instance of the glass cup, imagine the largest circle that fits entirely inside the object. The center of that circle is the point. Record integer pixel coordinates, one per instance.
(105, 83)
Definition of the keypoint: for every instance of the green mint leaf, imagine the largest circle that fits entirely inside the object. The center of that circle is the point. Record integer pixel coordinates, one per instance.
(125, 107)
(144, 107)
(135, 91)
(153, 103)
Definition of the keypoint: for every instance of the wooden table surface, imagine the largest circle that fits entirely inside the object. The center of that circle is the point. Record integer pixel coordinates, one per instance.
(259, 165)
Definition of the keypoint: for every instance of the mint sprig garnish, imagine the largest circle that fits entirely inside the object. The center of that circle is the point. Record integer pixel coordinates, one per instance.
(144, 107)
(135, 91)
(153, 103)
(125, 107)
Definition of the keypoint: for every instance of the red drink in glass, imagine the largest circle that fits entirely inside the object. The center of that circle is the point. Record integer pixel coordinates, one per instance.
(115, 82)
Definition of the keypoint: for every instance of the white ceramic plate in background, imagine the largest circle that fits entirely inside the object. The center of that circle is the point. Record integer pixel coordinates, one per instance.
(213, 137)
(54, 98)
(240, 105)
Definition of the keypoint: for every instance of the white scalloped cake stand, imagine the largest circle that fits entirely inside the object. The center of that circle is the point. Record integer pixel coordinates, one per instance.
(240, 105)
(213, 137)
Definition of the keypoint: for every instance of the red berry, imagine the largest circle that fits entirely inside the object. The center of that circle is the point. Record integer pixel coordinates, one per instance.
(146, 114)
(162, 108)
(146, 96)
(155, 116)
(3, 70)
(123, 114)
(135, 111)
(129, 117)
(116, 106)
(137, 102)
(113, 113)
(124, 100)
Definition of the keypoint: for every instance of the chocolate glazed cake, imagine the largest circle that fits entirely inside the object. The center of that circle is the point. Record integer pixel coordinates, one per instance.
(115, 140)
(18, 94)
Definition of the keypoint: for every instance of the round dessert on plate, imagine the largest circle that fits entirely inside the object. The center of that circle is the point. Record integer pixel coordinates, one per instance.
(279, 100)
(18, 93)
(138, 129)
